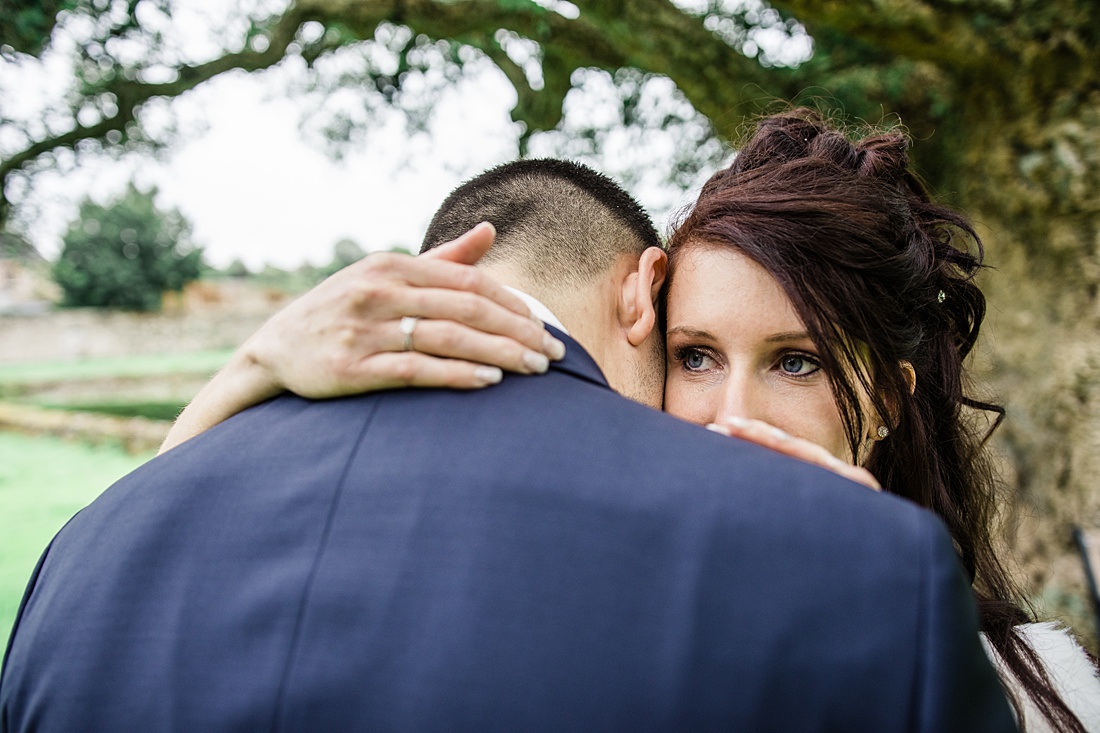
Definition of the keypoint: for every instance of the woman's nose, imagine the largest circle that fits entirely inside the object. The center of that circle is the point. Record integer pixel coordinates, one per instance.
(737, 400)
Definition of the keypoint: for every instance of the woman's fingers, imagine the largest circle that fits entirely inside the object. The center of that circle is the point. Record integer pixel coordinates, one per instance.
(422, 272)
(323, 344)
(387, 287)
(778, 440)
(392, 370)
(344, 336)
(452, 323)
(443, 354)
(468, 248)
(859, 474)
(457, 341)
(477, 313)
(442, 267)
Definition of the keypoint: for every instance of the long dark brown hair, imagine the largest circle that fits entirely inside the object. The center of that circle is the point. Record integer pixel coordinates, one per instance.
(881, 275)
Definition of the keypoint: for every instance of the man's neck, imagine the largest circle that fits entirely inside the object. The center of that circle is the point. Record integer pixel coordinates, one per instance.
(588, 315)
(580, 318)
(538, 308)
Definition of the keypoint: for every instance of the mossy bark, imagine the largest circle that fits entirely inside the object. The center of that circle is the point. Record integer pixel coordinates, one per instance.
(1033, 182)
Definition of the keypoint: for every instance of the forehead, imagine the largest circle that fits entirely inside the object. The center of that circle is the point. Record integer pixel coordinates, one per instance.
(720, 287)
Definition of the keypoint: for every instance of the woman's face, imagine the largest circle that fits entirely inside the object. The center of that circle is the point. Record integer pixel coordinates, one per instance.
(736, 347)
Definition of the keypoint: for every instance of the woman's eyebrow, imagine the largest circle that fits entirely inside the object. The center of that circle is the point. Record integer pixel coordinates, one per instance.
(788, 336)
(690, 333)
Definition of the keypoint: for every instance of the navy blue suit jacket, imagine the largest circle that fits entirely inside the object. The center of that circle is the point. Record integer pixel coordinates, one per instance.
(540, 555)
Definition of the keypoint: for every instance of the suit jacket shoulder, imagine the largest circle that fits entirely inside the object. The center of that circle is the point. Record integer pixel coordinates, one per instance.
(541, 555)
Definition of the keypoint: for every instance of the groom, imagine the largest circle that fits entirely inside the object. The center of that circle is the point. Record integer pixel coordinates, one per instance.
(541, 555)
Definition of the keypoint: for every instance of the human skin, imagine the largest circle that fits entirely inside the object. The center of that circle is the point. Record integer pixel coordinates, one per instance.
(343, 338)
(738, 356)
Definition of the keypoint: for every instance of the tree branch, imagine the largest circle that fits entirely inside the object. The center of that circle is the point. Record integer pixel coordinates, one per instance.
(131, 95)
(910, 28)
(721, 82)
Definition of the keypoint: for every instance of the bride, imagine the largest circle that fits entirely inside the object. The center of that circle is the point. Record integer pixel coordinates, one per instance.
(819, 302)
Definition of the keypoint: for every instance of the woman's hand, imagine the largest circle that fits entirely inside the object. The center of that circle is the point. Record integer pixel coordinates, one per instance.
(344, 336)
(772, 437)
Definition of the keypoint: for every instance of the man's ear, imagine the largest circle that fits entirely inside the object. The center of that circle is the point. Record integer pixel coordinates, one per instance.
(638, 304)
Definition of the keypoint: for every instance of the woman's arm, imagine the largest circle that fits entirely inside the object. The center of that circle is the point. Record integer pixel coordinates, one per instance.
(344, 337)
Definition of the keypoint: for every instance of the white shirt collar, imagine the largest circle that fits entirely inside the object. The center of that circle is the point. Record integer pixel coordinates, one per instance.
(538, 310)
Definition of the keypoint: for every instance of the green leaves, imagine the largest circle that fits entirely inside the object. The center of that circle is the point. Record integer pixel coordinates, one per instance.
(126, 254)
(26, 25)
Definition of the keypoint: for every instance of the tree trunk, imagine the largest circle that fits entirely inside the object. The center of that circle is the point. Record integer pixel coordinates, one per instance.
(1032, 184)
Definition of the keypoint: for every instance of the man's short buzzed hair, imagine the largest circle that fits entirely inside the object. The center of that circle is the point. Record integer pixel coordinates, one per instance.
(560, 222)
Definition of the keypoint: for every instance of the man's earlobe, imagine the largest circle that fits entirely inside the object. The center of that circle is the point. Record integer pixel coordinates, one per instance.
(646, 285)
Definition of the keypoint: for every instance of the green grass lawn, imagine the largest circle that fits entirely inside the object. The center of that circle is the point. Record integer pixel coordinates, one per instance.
(125, 366)
(43, 482)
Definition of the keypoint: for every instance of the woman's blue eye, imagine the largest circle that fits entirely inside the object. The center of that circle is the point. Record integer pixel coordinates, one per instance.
(694, 360)
(797, 365)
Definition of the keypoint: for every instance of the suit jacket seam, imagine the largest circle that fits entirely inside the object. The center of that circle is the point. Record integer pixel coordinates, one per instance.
(299, 621)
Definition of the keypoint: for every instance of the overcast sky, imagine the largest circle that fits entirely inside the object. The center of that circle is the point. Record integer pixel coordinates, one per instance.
(255, 190)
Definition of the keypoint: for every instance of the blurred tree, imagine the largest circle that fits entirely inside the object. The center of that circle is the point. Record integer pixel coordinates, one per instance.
(237, 269)
(14, 246)
(345, 252)
(126, 254)
(26, 24)
(1003, 97)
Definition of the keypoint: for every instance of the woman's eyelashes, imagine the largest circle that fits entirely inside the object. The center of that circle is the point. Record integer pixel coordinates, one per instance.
(702, 360)
(694, 359)
(798, 364)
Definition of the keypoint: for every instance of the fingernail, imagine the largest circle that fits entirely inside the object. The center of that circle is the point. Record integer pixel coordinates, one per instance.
(535, 362)
(716, 428)
(488, 375)
(737, 422)
(552, 347)
(779, 434)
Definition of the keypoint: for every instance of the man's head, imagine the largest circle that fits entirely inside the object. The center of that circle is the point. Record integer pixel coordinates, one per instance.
(578, 242)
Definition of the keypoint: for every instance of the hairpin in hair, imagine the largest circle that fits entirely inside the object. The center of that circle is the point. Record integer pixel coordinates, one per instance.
(941, 296)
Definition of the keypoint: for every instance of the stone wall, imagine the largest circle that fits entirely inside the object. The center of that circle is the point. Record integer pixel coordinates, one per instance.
(73, 335)
(207, 317)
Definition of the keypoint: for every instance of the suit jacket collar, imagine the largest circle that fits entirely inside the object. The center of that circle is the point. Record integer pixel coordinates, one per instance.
(577, 361)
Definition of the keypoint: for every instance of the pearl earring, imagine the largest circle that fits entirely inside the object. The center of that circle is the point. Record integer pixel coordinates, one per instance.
(883, 432)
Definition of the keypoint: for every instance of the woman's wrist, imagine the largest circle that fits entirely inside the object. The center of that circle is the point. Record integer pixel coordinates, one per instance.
(243, 382)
